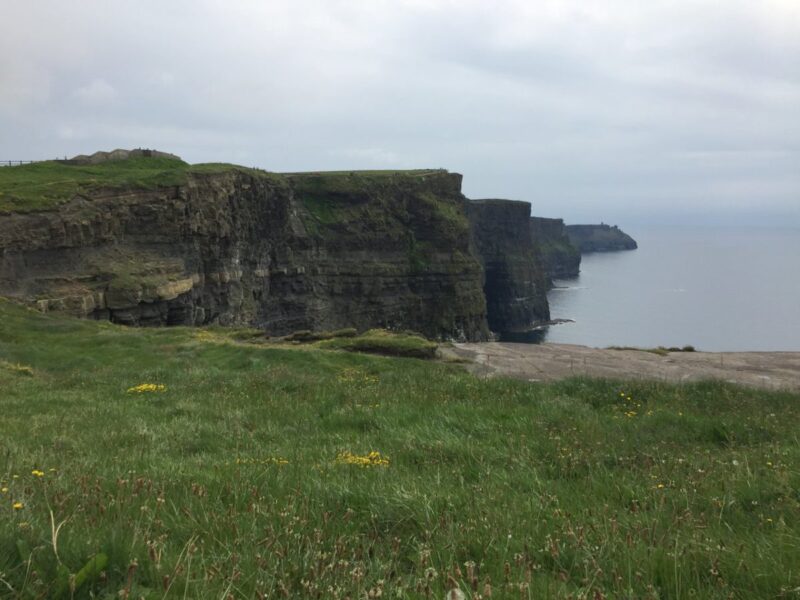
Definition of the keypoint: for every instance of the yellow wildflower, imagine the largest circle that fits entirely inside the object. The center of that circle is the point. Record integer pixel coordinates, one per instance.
(357, 377)
(373, 459)
(4, 490)
(37, 473)
(18, 505)
(147, 387)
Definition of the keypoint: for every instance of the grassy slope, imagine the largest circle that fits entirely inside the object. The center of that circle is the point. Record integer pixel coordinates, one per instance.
(228, 483)
(42, 185)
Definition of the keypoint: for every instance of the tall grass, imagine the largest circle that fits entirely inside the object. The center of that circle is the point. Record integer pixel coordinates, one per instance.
(237, 478)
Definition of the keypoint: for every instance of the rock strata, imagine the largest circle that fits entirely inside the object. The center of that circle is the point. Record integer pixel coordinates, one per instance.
(142, 238)
(560, 258)
(244, 247)
(600, 238)
(515, 283)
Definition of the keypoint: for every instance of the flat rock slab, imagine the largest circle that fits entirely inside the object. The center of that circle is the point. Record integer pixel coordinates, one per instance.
(549, 362)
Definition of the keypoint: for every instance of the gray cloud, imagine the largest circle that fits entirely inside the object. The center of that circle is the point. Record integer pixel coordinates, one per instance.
(615, 111)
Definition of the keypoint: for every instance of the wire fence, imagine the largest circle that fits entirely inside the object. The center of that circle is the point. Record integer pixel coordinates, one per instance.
(14, 163)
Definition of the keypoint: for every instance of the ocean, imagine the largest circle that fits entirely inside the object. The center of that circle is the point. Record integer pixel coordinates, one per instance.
(715, 289)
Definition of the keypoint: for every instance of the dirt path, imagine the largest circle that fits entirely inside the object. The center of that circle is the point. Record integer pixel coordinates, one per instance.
(547, 362)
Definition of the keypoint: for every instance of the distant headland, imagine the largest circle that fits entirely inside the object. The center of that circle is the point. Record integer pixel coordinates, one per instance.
(600, 238)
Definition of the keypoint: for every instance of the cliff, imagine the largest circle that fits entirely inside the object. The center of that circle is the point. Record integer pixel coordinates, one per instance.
(600, 238)
(150, 240)
(515, 283)
(560, 258)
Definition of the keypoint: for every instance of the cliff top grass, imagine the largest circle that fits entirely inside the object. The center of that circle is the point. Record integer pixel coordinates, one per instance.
(598, 234)
(359, 202)
(314, 185)
(176, 463)
(366, 173)
(498, 202)
(43, 185)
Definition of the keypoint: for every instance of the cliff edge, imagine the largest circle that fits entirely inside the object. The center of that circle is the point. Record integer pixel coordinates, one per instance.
(600, 238)
(515, 283)
(143, 238)
(560, 258)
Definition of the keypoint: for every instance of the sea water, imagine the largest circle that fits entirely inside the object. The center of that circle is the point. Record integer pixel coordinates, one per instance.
(715, 289)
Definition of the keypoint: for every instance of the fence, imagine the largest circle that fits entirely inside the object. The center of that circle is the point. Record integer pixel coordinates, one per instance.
(14, 163)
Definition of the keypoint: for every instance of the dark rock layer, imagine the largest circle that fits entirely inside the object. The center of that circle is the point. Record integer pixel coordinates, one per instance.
(559, 257)
(600, 238)
(515, 283)
(282, 253)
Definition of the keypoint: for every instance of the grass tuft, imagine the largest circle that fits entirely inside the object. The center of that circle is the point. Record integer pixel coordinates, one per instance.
(387, 343)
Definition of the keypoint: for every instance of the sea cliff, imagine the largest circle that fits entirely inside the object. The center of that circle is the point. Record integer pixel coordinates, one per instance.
(515, 282)
(560, 258)
(600, 238)
(146, 239)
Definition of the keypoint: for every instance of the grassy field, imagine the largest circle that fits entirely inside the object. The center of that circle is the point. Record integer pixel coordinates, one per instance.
(180, 463)
(45, 184)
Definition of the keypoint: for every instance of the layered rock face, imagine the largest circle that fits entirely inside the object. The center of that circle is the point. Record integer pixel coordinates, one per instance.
(515, 283)
(560, 258)
(282, 253)
(600, 238)
(392, 251)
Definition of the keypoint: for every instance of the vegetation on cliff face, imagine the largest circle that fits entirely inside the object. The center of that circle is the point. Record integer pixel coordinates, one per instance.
(44, 185)
(174, 463)
(354, 202)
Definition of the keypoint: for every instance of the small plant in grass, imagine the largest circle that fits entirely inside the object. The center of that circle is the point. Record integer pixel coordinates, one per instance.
(147, 388)
(17, 368)
(306, 335)
(371, 459)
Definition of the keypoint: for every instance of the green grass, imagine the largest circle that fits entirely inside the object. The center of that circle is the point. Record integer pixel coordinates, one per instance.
(380, 173)
(42, 185)
(336, 198)
(380, 341)
(227, 483)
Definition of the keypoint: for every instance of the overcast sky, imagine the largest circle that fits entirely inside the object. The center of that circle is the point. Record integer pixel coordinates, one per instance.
(609, 110)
